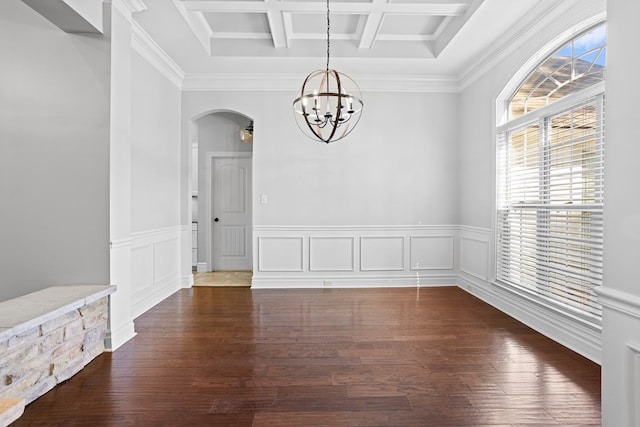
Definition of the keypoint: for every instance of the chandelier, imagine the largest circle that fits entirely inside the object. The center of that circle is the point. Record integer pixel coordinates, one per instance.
(329, 104)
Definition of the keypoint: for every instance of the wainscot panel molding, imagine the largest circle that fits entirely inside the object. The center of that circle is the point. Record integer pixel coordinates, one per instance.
(432, 252)
(331, 253)
(633, 375)
(280, 253)
(382, 253)
(155, 267)
(354, 256)
(474, 256)
(475, 277)
(621, 323)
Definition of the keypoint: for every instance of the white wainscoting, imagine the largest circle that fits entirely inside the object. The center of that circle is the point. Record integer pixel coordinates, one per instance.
(621, 356)
(477, 276)
(474, 252)
(331, 253)
(634, 380)
(344, 256)
(155, 267)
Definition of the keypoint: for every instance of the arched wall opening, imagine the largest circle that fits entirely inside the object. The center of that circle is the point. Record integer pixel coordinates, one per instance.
(221, 188)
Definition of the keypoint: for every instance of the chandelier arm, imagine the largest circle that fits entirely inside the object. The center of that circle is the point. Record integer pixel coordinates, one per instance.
(334, 127)
(307, 121)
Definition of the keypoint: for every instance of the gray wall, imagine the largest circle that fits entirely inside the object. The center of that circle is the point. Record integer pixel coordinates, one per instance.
(155, 149)
(54, 154)
(397, 167)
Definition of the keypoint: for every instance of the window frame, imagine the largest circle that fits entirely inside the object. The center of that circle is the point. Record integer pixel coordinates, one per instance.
(538, 117)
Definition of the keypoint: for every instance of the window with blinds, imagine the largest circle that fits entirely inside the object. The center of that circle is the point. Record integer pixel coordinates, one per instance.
(550, 192)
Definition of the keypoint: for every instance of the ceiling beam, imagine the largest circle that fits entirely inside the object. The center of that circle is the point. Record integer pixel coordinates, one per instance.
(433, 7)
(453, 27)
(371, 30)
(198, 24)
(278, 30)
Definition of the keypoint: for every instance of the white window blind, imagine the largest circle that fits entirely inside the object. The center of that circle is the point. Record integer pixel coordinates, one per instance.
(550, 204)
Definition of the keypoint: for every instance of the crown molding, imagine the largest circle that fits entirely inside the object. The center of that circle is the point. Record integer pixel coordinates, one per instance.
(292, 82)
(127, 7)
(134, 5)
(544, 14)
(146, 47)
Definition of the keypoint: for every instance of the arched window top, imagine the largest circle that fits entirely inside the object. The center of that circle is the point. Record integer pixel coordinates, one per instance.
(575, 66)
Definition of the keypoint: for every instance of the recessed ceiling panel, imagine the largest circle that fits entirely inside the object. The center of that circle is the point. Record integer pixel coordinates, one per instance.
(411, 1)
(337, 1)
(232, 22)
(410, 24)
(309, 23)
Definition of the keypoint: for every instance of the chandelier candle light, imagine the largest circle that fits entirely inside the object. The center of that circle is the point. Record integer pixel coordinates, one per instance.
(329, 104)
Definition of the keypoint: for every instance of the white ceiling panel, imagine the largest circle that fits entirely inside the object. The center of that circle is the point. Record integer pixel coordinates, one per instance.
(423, 25)
(234, 22)
(316, 23)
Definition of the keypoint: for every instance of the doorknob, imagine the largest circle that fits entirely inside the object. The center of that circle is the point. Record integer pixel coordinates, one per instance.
(216, 220)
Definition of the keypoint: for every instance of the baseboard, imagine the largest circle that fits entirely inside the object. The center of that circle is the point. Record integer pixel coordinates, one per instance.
(187, 281)
(202, 267)
(583, 338)
(298, 282)
(116, 338)
(151, 297)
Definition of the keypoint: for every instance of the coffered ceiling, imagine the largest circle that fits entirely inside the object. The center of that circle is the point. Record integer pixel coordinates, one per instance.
(364, 28)
(252, 44)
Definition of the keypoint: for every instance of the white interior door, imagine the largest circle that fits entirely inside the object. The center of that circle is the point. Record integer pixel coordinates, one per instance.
(231, 214)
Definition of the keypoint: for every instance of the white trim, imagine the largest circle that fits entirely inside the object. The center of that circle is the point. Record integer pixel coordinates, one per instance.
(155, 233)
(150, 51)
(187, 282)
(452, 254)
(128, 7)
(297, 228)
(202, 267)
(114, 339)
(352, 239)
(579, 336)
(381, 281)
(121, 243)
(475, 229)
(620, 301)
(558, 106)
(135, 5)
(297, 269)
(402, 253)
(483, 241)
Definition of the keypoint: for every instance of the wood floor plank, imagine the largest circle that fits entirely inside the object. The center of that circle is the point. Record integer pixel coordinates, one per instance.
(327, 357)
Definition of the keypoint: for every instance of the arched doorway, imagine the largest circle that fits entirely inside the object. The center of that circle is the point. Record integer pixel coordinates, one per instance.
(221, 192)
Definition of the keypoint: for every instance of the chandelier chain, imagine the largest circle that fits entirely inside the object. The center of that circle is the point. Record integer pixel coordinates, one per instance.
(328, 38)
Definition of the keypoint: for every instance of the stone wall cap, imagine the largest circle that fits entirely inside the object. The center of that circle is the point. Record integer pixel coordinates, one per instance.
(28, 311)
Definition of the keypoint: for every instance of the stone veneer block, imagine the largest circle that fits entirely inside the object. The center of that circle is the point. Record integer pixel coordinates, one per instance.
(39, 352)
(10, 410)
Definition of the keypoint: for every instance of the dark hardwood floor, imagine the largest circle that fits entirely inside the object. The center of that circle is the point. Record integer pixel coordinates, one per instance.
(336, 357)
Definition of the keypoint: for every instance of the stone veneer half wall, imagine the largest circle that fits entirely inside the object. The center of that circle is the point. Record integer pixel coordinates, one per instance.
(48, 336)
